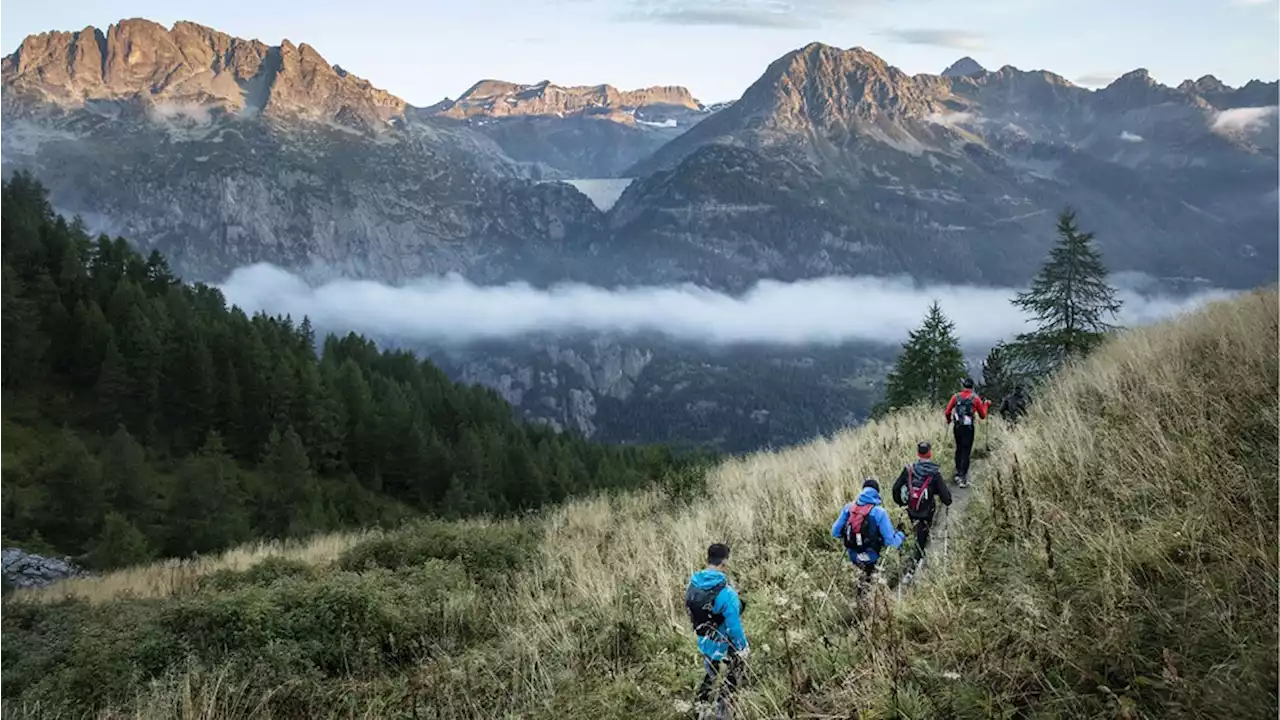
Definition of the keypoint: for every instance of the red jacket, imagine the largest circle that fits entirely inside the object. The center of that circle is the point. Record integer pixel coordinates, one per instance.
(980, 406)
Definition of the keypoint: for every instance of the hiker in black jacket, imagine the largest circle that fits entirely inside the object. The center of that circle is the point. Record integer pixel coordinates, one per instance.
(917, 487)
(1014, 405)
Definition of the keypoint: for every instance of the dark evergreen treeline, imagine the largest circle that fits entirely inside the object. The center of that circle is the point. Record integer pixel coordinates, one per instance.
(144, 416)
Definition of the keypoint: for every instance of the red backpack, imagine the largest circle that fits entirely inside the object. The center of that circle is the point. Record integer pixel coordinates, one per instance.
(861, 532)
(917, 489)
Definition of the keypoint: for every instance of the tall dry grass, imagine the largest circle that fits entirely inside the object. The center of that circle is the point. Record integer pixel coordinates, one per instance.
(1123, 563)
(176, 577)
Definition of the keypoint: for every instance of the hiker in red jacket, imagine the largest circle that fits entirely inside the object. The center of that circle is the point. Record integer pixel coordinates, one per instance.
(962, 413)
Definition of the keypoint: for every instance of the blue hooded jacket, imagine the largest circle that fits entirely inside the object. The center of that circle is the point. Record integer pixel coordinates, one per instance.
(716, 645)
(880, 516)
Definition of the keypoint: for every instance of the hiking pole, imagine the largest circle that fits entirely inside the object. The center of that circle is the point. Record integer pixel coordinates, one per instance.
(946, 533)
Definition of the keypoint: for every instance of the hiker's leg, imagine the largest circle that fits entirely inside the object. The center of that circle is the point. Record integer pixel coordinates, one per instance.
(922, 534)
(731, 679)
(711, 668)
(964, 445)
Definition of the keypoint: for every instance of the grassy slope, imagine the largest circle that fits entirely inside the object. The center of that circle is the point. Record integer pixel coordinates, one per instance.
(1117, 560)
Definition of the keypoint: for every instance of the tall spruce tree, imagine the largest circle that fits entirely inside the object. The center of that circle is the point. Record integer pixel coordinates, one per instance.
(998, 374)
(1069, 300)
(930, 367)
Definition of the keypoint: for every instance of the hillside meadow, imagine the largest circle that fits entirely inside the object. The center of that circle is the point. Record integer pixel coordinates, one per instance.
(1116, 559)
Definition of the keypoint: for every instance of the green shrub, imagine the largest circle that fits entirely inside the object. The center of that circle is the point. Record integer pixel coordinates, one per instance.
(264, 573)
(490, 554)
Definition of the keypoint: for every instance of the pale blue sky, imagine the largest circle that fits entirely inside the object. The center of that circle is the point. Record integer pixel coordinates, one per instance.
(426, 50)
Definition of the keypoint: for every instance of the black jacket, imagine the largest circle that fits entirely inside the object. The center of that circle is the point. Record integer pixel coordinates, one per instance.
(937, 490)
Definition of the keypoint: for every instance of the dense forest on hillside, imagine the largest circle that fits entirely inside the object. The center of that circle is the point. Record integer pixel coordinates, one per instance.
(143, 416)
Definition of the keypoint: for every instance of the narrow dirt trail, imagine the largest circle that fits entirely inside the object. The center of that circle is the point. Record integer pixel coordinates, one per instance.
(946, 521)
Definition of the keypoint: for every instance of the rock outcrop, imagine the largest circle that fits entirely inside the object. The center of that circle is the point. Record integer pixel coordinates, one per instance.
(25, 570)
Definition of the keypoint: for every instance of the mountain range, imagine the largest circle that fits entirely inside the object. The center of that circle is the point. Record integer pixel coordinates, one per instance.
(222, 152)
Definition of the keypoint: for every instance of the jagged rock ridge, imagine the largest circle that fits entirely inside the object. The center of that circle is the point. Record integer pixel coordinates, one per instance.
(192, 65)
(575, 132)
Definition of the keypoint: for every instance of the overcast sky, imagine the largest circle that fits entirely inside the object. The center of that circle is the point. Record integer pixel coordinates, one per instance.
(430, 49)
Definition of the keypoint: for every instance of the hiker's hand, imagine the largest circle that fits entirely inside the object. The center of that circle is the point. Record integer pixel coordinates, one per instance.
(743, 653)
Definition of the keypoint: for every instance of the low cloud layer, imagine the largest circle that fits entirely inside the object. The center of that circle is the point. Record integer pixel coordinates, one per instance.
(939, 37)
(1243, 119)
(830, 310)
(1127, 136)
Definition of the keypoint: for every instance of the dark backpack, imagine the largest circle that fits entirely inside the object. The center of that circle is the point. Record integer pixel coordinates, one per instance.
(964, 409)
(701, 605)
(919, 486)
(861, 533)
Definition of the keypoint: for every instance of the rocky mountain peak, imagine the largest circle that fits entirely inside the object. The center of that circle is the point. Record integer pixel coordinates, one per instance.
(828, 88)
(137, 60)
(499, 98)
(1137, 89)
(964, 67)
(1207, 84)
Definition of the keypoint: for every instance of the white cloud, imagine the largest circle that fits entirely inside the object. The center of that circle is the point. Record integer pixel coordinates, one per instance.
(170, 111)
(1246, 119)
(1127, 136)
(939, 37)
(951, 119)
(779, 14)
(1097, 80)
(828, 310)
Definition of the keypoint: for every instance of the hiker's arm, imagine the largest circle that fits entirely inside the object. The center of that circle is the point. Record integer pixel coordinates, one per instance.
(897, 487)
(983, 406)
(732, 612)
(892, 537)
(951, 405)
(941, 490)
(840, 521)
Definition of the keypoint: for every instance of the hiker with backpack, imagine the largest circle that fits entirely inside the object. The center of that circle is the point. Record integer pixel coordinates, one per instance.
(1014, 405)
(865, 528)
(917, 488)
(962, 413)
(716, 613)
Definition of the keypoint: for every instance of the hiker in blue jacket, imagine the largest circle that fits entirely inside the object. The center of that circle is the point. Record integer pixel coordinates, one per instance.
(865, 528)
(716, 613)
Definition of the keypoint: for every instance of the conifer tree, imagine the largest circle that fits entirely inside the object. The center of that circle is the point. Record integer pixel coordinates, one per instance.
(126, 479)
(120, 544)
(930, 367)
(1069, 300)
(998, 375)
(112, 392)
(23, 344)
(290, 503)
(75, 502)
(207, 512)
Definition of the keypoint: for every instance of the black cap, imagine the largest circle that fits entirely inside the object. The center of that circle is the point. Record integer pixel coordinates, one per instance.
(717, 553)
(968, 383)
(924, 448)
(871, 483)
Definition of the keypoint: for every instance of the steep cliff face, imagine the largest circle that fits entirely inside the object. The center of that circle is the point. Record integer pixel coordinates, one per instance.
(644, 390)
